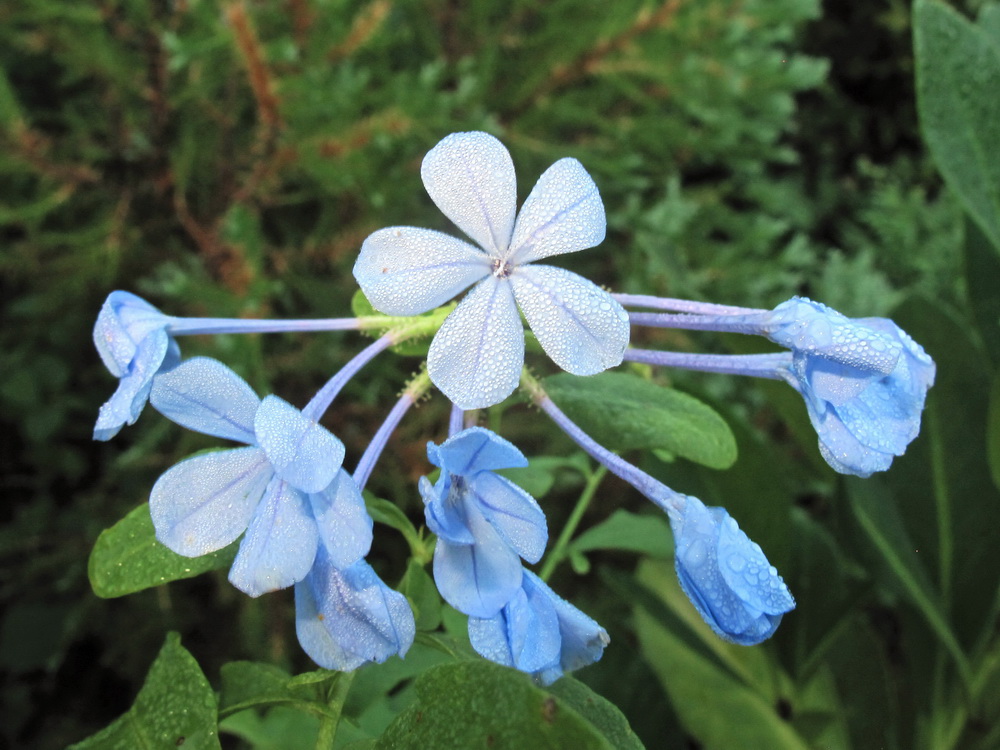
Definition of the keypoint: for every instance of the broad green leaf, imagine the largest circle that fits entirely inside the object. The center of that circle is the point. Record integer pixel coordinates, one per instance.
(127, 558)
(481, 704)
(600, 712)
(175, 708)
(958, 70)
(993, 432)
(280, 728)
(250, 683)
(879, 518)
(625, 412)
(644, 534)
(982, 270)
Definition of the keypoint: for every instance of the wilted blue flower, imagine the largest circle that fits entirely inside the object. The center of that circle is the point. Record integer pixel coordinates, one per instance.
(483, 521)
(287, 490)
(726, 576)
(345, 617)
(131, 337)
(476, 356)
(864, 382)
(539, 632)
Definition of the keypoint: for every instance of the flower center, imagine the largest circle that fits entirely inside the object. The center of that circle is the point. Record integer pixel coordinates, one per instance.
(501, 268)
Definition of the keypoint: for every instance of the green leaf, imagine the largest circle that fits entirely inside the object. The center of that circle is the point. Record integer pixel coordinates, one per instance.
(481, 704)
(127, 558)
(625, 412)
(982, 269)
(958, 67)
(602, 713)
(418, 587)
(250, 683)
(993, 432)
(644, 534)
(175, 708)
(280, 728)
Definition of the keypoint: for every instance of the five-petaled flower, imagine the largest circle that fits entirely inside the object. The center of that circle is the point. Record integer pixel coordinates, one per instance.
(476, 356)
(864, 381)
(539, 632)
(484, 522)
(287, 489)
(726, 576)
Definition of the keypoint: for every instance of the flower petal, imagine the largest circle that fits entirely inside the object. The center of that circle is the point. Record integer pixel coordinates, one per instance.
(125, 405)
(445, 519)
(204, 395)
(523, 635)
(563, 214)
(747, 571)
(345, 527)
(205, 502)
(477, 579)
(577, 323)
(123, 322)
(470, 177)
(475, 449)
(315, 639)
(280, 544)
(475, 358)
(513, 513)
(407, 271)
(302, 453)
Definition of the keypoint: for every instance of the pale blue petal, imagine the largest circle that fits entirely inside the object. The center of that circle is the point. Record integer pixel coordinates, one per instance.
(279, 546)
(841, 448)
(475, 449)
(205, 502)
(577, 323)
(476, 356)
(123, 322)
(345, 527)
(125, 405)
(407, 271)
(470, 177)
(204, 395)
(513, 513)
(523, 635)
(477, 579)
(563, 214)
(444, 518)
(315, 639)
(747, 572)
(302, 453)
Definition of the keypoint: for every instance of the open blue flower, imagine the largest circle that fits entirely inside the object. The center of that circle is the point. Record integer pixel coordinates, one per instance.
(864, 382)
(484, 522)
(131, 337)
(286, 490)
(539, 632)
(476, 356)
(726, 576)
(346, 617)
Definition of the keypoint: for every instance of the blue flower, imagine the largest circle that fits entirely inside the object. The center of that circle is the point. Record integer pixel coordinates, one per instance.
(864, 382)
(476, 356)
(539, 632)
(484, 522)
(131, 337)
(345, 617)
(726, 576)
(286, 490)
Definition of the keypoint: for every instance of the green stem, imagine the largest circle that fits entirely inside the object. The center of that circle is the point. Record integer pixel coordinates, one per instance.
(330, 721)
(558, 552)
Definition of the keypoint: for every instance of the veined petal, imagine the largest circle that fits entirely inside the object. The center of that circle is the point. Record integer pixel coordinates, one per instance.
(125, 405)
(204, 395)
(444, 518)
(123, 322)
(280, 544)
(477, 579)
(475, 449)
(747, 572)
(407, 271)
(577, 323)
(302, 453)
(470, 177)
(563, 214)
(345, 528)
(315, 639)
(205, 502)
(513, 513)
(475, 358)
(523, 635)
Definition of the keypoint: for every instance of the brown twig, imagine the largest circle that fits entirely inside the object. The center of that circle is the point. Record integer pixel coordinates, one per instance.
(260, 77)
(365, 24)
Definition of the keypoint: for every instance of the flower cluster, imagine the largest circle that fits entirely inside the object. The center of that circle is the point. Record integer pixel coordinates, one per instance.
(300, 516)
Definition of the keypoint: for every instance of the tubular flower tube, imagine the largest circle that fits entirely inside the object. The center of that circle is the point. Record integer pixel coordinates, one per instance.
(484, 522)
(476, 356)
(286, 489)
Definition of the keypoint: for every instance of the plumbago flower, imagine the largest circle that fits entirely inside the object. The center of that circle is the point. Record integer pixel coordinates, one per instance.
(864, 382)
(131, 337)
(539, 632)
(346, 617)
(476, 356)
(484, 522)
(286, 489)
(726, 576)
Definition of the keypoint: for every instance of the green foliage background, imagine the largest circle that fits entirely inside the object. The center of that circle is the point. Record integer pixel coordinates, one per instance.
(227, 159)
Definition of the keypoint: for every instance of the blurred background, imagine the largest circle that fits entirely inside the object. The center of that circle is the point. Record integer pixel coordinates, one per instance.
(228, 159)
